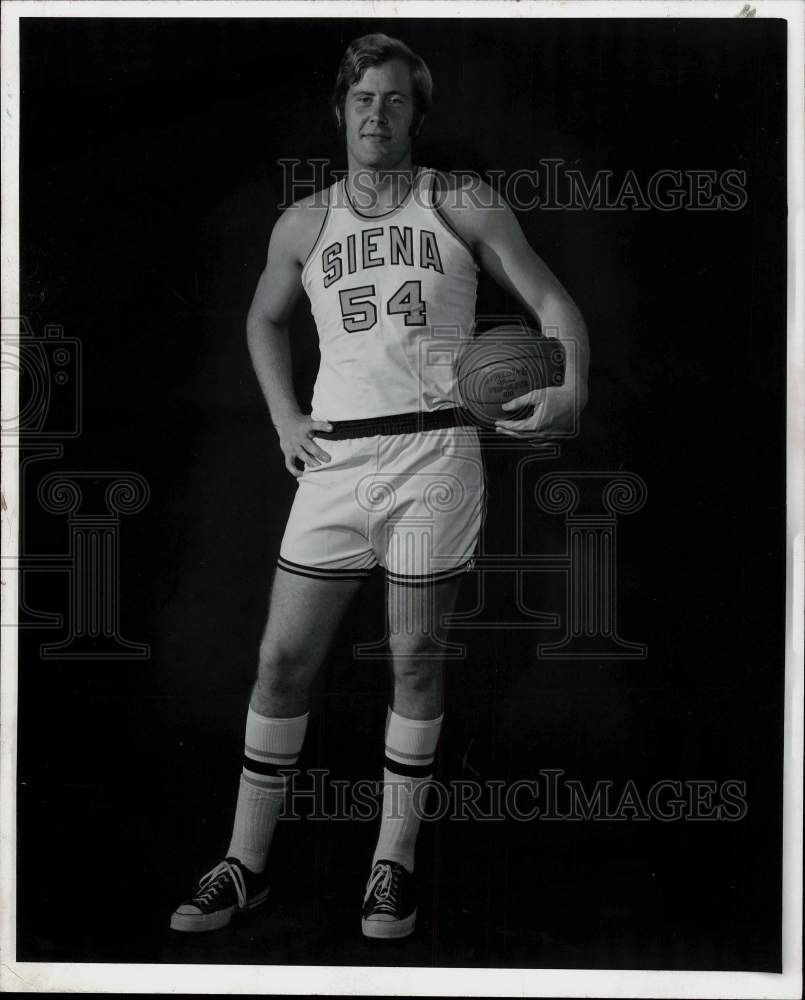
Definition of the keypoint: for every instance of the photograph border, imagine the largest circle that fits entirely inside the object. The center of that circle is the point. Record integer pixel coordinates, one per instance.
(337, 980)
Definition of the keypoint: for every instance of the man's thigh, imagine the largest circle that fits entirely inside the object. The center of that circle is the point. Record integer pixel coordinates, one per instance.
(304, 614)
(436, 485)
(326, 532)
(416, 615)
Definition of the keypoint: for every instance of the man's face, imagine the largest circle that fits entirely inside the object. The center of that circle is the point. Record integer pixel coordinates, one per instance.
(379, 112)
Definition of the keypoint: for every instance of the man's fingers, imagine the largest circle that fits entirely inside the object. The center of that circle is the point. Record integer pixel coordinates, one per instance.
(312, 448)
(524, 426)
(307, 452)
(519, 402)
(534, 398)
(514, 429)
(528, 425)
(321, 425)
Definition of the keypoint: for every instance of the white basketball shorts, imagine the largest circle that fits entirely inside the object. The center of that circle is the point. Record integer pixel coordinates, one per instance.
(411, 503)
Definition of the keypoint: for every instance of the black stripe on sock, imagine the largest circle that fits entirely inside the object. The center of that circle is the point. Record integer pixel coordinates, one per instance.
(264, 767)
(408, 770)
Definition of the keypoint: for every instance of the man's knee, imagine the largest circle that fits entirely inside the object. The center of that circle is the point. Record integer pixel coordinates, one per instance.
(280, 670)
(421, 647)
(417, 676)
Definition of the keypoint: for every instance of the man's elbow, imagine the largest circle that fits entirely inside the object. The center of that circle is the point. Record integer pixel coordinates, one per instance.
(560, 314)
(557, 301)
(253, 321)
(259, 324)
(565, 321)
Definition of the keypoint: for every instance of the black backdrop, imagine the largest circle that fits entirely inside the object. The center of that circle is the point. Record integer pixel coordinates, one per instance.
(150, 181)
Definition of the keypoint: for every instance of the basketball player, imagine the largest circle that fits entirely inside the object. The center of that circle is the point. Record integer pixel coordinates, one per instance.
(389, 471)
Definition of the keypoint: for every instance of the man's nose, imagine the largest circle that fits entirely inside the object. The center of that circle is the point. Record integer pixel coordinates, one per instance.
(378, 113)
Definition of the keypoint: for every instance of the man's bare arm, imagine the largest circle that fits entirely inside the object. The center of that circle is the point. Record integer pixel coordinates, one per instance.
(505, 254)
(269, 315)
(267, 324)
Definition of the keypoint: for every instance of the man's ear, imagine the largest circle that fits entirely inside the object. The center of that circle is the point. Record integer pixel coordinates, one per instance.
(416, 127)
(339, 126)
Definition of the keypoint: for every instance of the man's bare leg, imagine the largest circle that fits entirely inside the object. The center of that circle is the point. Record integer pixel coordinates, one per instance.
(303, 616)
(412, 733)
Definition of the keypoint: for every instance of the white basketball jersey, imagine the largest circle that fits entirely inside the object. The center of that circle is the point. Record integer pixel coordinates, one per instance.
(393, 296)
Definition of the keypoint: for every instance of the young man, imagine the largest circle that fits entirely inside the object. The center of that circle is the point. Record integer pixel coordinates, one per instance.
(389, 470)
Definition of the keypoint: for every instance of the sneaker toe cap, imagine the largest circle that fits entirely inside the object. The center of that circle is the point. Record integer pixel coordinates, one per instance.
(188, 910)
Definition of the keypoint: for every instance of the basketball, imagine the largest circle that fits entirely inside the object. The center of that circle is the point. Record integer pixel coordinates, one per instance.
(502, 364)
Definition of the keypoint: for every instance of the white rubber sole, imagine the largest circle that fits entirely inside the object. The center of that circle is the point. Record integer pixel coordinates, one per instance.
(389, 929)
(196, 922)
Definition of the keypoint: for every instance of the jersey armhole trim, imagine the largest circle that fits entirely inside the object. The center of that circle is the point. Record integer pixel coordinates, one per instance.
(318, 240)
(446, 222)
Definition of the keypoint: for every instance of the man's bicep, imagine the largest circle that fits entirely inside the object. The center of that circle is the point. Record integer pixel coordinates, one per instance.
(507, 256)
(281, 281)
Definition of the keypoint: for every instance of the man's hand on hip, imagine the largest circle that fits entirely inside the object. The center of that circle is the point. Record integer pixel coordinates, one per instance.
(296, 440)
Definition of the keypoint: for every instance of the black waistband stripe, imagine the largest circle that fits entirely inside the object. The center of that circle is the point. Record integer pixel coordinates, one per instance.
(399, 423)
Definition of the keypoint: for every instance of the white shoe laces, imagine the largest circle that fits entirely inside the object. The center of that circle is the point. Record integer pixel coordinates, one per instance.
(381, 880)
(208, 885)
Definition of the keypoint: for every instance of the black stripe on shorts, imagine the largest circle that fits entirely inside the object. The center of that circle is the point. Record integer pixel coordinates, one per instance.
(424, 579)
(318, 573)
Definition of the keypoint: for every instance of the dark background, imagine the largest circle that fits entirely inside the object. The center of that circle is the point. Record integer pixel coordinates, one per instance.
(150, 182)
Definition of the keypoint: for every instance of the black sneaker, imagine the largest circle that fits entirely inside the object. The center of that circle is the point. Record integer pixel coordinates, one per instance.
(225, 890)
(389, 906)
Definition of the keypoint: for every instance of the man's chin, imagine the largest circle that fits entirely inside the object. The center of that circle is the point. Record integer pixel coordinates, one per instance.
(378, 159)
(376, 163)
